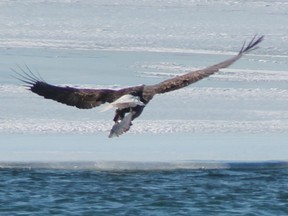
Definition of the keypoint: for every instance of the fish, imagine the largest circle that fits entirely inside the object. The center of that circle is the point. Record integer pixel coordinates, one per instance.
(121, 126)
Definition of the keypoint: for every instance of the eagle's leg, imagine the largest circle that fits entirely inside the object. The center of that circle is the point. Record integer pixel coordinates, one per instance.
(120, 114)
(137, 111)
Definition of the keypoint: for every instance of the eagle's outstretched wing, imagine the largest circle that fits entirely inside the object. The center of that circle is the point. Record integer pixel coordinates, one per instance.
(80, 98)
(194, 76)
(89, 98)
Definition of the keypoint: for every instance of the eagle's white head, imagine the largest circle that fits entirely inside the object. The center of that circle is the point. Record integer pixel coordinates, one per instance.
(124, 101)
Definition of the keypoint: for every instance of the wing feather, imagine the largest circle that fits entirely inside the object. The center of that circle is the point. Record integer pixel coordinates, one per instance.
(194, 76)
(78, 97)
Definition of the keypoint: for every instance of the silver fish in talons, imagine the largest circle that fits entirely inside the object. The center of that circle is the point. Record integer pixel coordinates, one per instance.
(122, 126)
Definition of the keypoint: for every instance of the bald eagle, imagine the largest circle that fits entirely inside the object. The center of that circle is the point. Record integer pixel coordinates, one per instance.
(129, 102)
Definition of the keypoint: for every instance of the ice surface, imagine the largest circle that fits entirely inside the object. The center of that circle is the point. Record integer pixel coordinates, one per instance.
(143, 25)
(91, 44)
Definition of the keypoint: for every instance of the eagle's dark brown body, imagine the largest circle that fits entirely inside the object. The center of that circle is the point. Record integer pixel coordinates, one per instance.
(89, 98)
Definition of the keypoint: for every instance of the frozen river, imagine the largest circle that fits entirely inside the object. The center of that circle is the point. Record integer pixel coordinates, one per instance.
(239, 114)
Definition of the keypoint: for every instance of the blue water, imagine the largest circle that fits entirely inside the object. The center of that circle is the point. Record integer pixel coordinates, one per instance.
(179, 192)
